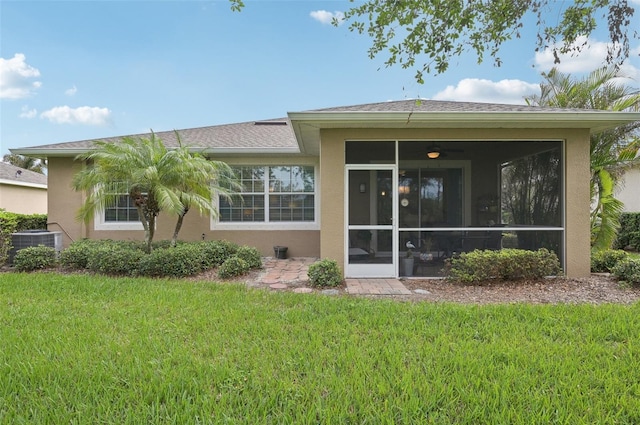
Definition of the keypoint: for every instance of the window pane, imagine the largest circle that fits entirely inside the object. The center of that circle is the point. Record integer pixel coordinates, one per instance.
(122, 211)
(291, 179)
(531, 190)
(291, 208)
(247, 208)
(292, 194)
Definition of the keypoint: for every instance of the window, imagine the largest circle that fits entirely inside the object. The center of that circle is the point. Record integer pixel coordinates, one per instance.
(123, 210)
(121, 215)
(272, 194)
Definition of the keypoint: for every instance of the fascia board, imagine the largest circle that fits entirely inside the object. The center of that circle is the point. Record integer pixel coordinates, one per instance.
(25, 184)
(596, 120)
(37, 152)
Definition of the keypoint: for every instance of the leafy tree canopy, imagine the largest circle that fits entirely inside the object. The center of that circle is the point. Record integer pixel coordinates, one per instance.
(439, 30)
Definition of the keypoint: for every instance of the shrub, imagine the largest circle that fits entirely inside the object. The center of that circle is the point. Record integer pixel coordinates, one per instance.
(30, 222)
(233, 266)
(634, 240)
(76, 256)
(629, 232)
(180, 261)
(114, 258)
(35, 258)
(627, 271)
(604, 261)
(507, 264)
(8, 225)
(251, 255)
(325, 273)
(218, 251)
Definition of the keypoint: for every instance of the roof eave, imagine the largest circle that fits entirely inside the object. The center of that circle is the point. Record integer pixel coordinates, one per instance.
(596, 121)
(577, 119)
(24, 184)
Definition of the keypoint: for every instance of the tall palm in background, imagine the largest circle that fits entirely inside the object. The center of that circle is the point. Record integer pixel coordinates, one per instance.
(612, 151)
(26, 162)
(154, 177)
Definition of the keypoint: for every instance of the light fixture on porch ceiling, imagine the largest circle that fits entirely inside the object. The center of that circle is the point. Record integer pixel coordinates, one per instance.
(433, 153)
(436, 151)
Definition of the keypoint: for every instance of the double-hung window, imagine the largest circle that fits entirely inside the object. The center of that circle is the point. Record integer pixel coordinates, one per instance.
(122, 211)
(122, 214)
(271, 194)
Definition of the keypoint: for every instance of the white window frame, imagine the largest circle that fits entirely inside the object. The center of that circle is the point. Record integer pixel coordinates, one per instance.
(273, 225)
(100, 223)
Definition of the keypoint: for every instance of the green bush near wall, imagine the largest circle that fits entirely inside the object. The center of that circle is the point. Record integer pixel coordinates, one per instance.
(13, 222)
(127, 258)
(629, 232)
(507, 264)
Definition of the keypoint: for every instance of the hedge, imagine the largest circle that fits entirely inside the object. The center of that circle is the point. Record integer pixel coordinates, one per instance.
(629, 232)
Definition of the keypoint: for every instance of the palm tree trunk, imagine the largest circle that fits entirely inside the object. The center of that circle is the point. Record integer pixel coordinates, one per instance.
(174, 239)
(145, 226)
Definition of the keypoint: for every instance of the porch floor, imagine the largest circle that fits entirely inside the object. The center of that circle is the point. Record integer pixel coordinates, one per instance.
(292, 272)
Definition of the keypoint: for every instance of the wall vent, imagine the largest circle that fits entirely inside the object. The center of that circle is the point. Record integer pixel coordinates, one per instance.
(270, 123)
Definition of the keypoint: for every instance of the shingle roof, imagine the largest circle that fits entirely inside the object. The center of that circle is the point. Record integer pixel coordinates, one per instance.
(426, 105)
(268, 134)
(278, 136)
(20, 175)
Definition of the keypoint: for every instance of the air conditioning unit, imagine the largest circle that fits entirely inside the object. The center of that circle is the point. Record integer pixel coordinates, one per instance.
(29, 238)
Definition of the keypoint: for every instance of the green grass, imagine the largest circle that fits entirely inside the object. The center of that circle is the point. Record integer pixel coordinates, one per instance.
(92, 350)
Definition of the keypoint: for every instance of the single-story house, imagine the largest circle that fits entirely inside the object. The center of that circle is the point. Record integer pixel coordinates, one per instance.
(370, 185)
(22, 191)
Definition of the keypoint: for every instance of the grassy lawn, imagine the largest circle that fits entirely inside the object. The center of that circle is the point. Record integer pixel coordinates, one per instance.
(89, 350)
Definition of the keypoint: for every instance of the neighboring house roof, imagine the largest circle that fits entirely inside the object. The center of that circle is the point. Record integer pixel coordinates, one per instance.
(16, 176)
(300, 131)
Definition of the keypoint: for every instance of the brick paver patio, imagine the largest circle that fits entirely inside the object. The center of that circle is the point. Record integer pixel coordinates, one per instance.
(280, 274)
(376, 287)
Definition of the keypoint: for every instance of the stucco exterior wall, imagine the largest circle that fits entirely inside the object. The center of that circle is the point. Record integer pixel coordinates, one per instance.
(577, 201)
(64, 203)
(629, 191)
(332, 148)
(327, 241)
(23, 199)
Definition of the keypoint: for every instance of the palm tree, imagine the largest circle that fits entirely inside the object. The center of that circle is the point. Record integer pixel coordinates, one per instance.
(612, 152)
(195, 188)
(154, 177)
(26, 162)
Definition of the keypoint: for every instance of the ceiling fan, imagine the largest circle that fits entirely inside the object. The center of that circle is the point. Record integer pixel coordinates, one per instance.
(435, 151)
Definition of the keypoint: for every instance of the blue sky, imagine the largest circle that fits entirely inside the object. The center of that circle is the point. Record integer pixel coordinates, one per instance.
(76, 70)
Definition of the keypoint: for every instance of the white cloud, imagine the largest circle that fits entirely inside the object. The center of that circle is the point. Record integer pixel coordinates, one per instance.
(72, 91)
(16, 78)
(325, 17)
(592, 56)
(86, 115)
(480, 90)
(28, 113)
